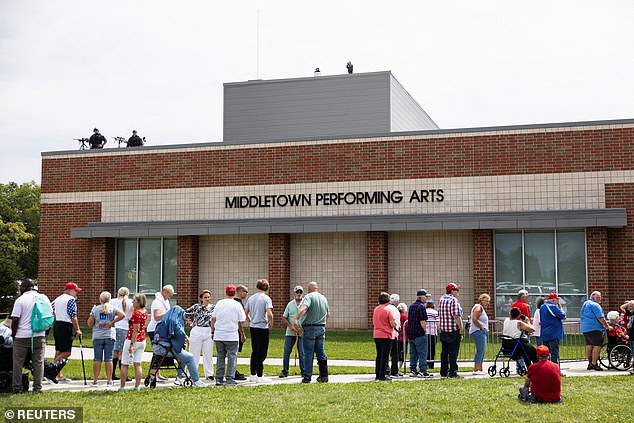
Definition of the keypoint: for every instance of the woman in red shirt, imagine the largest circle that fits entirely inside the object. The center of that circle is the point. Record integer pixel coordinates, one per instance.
(384, 324)
(134, 342)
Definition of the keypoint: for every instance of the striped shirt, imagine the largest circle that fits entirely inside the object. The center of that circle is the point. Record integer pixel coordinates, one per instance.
(448, 307)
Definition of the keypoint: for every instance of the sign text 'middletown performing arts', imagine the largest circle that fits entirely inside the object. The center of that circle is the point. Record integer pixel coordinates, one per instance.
(333, 199)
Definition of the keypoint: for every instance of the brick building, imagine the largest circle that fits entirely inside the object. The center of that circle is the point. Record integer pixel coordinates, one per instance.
(542, 207)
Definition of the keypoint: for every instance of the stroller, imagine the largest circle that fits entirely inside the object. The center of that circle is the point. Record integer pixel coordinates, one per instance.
(169, 332)
(511, 349)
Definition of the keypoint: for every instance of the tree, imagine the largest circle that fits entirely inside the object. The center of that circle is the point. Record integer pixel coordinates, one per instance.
(19, 237)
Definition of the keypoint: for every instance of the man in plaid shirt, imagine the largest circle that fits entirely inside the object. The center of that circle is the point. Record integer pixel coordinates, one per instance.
(451, 330)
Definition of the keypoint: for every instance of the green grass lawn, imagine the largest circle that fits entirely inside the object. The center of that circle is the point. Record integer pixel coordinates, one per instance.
(585, 398)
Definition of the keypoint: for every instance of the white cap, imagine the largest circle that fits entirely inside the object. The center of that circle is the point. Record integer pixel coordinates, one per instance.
(298, 288)
(394, 298)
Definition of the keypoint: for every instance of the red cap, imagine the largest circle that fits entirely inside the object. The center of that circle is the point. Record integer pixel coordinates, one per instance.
(552, 295)
(452, 286)
(542, 350)
(230, 289)
(72, 285)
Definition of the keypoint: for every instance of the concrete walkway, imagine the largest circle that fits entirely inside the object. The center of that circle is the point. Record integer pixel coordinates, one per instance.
(570, 369)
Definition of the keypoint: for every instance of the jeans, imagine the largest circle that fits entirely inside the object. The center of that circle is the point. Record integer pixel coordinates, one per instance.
(289, 343)
(21, 348)
(383, 347)
(184, 358)
(226, 349)
(418, 350)
(314, 337)
(103, 349)
(553, 346)
(260, 348)
(449, 353)
(480, 340)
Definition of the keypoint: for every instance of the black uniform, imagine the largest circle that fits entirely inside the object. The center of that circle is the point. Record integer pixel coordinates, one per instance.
(96, 141)
(135, 141)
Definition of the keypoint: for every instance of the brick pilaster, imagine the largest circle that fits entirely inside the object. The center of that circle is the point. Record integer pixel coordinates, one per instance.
(279, 273)
(483, 281)
(187, 270)
(377, 257)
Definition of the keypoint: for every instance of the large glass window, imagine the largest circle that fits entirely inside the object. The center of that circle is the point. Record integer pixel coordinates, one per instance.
(540, 262)
(145, 265)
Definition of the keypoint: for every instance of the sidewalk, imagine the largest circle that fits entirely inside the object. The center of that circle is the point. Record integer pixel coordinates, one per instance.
(571, 369)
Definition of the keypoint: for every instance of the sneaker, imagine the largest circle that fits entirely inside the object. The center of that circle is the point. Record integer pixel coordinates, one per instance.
(94, 383)
(305, 380)
(456, 376)
(598, 368)
(239, 376)
(162, 379)
(200, 384)
(231, 382)
(210, 378)
(397, 376)
(478, 372)
(426, 375)
(121, 390)
(283, 375)
(179, 381)
(253, 378)
(109, 383)
(413, 374)
(220, 382)
(116, 378)
(590, 366)
(262, 379)
(137, 388)
(64, 380)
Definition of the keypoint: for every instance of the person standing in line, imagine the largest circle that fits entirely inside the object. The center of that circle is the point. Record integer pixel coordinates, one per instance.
(23, 335)
(292, 335)
(403, 340)
(417, 334)
(593, 326)
(123, 303)
(226, 328)
(199, 315)
(160, 306)
(451, 330)
(384, 323)
(97, 140)
(102, 320)
(522, 303)
(134, 343)
(537, 322)
(259, 312)
(313, 314)
(432, 332)
(552, 320)
(65, 309)
(394, 300)
(241, 295)
(478, 331)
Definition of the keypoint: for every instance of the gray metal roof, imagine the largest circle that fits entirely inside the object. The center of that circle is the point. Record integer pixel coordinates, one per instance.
(460, 221)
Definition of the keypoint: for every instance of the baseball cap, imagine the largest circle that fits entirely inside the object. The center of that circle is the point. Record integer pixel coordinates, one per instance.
(298, 288)
(430, 301)
(542, 350)
(395, 297)
(421, 293)
(72, 285)
(452, 286)
(552, 295)
(230, 289)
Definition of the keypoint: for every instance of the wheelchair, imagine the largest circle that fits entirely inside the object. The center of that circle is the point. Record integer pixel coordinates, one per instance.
(617, 356)
(511, 349)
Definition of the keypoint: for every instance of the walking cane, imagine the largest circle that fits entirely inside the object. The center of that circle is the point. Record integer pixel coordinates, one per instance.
(83, 367)
(296, 351)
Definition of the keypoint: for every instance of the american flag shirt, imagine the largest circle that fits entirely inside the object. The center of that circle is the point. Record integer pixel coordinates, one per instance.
(448, 307)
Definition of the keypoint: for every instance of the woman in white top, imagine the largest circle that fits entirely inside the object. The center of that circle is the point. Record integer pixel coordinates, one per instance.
(478, 331)
(514, 326)
(200, 336)
(123, 303)
(537, 325)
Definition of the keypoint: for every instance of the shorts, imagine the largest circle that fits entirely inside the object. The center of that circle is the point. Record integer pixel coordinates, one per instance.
(594, 338)
(103, 349)
(137, 353)
(63, 335)
(118, 343)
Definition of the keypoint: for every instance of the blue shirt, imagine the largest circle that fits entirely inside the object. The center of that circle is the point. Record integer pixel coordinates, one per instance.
(590, 312)
(551, 318)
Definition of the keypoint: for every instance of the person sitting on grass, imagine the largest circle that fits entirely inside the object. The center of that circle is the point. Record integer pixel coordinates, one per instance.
(543, 381)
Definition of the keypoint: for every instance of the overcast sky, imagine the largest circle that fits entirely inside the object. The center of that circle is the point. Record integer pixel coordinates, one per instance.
(67, 66)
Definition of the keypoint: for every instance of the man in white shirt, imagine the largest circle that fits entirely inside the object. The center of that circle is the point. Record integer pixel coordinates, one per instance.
(22, 334)
(65, 309)
(227, 330)
(394, 300)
